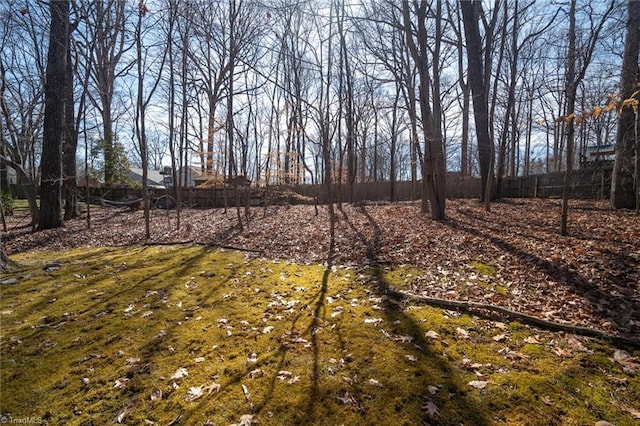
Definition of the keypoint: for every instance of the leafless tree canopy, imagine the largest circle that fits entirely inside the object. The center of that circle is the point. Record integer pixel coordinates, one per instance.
(326, 92)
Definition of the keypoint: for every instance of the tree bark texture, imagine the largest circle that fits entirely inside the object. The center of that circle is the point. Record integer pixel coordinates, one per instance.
(570, 91)
(51, 181)
(433, 170)
(622, 181)
(69, 187)
(478, 90)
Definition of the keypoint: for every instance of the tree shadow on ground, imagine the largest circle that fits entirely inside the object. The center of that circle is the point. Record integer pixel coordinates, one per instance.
(618, 307)
(469, 411)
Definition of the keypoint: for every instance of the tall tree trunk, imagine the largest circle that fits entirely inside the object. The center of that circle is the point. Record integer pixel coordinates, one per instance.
(623, 181)
(478, 86)
(433, 171)
(70, 187)
(574, 75)
(108, 19)
(5, 263)
(570, 90)
(141, 124)
(51, 195)
(464, 148)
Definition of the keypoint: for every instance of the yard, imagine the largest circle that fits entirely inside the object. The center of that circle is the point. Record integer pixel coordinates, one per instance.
(281, 324)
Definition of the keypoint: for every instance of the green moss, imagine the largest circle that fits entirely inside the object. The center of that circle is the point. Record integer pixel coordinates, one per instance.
(109, 328)
(483, 268)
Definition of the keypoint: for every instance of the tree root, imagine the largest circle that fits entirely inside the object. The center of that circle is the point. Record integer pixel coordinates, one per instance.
(489, 311)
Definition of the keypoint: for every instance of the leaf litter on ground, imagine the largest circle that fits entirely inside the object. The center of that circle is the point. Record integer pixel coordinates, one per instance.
(180, 336)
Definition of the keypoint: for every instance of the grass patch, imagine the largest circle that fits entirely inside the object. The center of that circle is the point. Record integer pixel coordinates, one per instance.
(156, 334)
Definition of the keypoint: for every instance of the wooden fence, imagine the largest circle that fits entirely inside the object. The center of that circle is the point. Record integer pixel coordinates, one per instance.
(457, 187)
(585, 183)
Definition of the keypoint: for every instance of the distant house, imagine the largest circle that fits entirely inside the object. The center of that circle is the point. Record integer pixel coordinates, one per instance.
(164, 178)
(155, 179)
(598, 155)
(189, 175)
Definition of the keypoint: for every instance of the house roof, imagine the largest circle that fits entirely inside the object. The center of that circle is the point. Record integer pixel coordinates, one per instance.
(154, 177)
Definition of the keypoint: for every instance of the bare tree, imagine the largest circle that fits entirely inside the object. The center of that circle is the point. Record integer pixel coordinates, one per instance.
(107, 20)
(625, 172)
(575, 73)
(464, 87)
(146, 67)
(70, 141)
(54, 112)
(470, 14)
(433, 170)
(22, 75)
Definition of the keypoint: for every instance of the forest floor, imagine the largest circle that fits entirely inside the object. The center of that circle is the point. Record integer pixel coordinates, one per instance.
(280, 324)
(512, 257)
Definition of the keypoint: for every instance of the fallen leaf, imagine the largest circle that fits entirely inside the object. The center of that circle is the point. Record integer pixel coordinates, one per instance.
(405, 339)
(245, 391)
(121, 383)
(531, 340)
(500, 337)
(500, 325)
(267, 329)
(132, 361)
(255, 373)
(546, 400)
(577, 344)
(432, 335)
(121, 415)
(212, 387)
(462, 333)
(620, 355)
(430, 407)
(562, 353)
(283, 374)
(253, 358)
(411, 358)
(294, 379)
(348, 399)
(194, 393)
(179, 374)
(478, 384)
(247, 420)
(374, 382)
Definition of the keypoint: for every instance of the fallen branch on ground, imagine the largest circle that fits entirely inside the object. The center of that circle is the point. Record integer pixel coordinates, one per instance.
(474, 307)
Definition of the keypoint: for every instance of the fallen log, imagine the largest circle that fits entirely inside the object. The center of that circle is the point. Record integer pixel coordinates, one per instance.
(478, 309)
